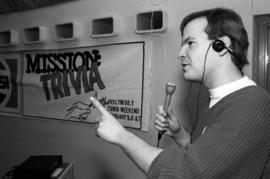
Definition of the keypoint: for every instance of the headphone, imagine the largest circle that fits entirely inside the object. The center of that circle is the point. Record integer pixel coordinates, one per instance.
(219, 45)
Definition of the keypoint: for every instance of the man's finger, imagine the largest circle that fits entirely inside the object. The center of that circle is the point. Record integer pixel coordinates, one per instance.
(97, 105)
(97, 120)
(161, 111)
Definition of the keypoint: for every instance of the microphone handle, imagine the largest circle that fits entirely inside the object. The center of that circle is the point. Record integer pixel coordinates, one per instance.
(160, 133)
(165, 108)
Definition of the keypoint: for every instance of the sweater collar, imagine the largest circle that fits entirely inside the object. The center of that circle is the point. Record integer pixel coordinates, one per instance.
(216, 94)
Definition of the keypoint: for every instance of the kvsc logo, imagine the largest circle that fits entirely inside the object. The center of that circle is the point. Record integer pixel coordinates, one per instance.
(8, 84)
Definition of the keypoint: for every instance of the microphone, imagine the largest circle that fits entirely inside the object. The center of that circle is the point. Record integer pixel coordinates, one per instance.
(169, 89)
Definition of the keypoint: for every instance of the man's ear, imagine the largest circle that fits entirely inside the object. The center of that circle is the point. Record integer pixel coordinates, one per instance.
(227, 42)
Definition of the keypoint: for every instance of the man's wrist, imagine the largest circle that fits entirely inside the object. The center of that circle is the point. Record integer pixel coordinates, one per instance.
(182, 138)
(123, 136)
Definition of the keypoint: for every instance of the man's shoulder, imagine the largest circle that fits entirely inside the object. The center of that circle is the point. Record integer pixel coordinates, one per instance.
(255, 92)
(249, 97)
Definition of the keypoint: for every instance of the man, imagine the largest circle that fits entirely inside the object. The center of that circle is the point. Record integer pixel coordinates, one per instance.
(232, 138)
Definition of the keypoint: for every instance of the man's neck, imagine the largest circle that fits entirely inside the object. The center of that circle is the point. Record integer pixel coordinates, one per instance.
(222, 77)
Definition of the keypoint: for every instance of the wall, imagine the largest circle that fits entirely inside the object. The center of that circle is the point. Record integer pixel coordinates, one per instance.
(92, 157)
(260, 7)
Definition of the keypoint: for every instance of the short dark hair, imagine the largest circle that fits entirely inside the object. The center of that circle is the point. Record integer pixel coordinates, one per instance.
(224, 22)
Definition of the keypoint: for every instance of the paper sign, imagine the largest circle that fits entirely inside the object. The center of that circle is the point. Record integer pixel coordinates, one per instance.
(57, 84)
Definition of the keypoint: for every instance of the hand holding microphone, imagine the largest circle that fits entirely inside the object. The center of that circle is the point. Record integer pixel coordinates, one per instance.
(169, 89)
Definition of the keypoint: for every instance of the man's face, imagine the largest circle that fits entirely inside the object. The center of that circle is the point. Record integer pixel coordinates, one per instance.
(193, 51)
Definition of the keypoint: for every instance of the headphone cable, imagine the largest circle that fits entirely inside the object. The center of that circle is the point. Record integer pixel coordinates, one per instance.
(198, 97)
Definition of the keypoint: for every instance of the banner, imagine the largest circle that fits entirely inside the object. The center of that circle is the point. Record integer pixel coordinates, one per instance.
(10, 76)
(57, 84)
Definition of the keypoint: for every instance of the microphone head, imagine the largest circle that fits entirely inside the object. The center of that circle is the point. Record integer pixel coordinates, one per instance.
(170, 88)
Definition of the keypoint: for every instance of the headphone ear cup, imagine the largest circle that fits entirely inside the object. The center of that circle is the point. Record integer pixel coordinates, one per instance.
(218, 45)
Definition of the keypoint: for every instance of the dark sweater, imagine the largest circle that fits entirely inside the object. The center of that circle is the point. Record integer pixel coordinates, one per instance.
(235, 144)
